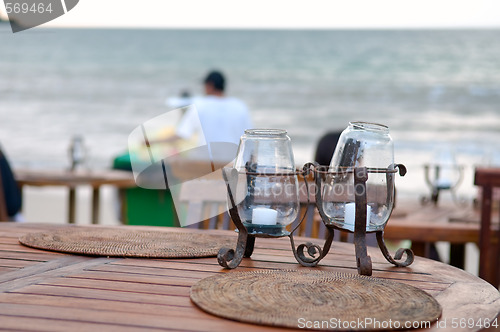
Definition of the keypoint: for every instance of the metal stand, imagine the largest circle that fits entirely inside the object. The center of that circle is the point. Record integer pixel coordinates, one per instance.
(437, 188)
(363, 260)
(231, 258)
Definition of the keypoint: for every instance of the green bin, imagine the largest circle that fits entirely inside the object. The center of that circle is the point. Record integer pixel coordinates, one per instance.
(146, 206)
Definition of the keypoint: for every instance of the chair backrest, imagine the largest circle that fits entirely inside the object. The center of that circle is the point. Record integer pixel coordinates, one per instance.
(206, 202)
(312, 225)
(489, 238)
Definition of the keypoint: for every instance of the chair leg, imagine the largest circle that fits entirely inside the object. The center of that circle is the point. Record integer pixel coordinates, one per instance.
(486, 263)
(457, 255)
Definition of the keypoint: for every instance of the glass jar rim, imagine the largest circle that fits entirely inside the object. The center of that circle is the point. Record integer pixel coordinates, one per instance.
(265, 132)
(372, 126)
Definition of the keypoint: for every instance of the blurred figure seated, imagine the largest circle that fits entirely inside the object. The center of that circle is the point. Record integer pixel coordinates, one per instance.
(10, 195)
(326, 147)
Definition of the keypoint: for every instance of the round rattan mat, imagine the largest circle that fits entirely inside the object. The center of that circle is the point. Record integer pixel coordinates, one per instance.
(315, 299)
(128, 243)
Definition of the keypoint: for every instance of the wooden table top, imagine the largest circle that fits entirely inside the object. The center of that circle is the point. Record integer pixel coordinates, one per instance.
(49, 291)
(429, 223)
(95, 178)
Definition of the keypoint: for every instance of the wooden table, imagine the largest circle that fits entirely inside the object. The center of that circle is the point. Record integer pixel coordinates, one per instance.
(73, 179)
(48, 291)
(454, 224)
(428, 224)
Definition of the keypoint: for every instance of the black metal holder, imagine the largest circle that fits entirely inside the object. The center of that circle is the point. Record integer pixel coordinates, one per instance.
(436, 188)
(231, 258)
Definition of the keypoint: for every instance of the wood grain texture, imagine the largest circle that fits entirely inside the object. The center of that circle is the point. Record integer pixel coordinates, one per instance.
(47, 291)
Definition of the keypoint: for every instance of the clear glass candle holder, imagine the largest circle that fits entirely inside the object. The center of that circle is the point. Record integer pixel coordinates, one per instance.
(368, 145)
(266, 191)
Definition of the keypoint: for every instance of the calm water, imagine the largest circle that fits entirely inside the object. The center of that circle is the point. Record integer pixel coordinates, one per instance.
(432, 88)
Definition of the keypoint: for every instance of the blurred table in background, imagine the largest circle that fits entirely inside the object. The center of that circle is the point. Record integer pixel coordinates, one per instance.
(428, 224)
(74, 179)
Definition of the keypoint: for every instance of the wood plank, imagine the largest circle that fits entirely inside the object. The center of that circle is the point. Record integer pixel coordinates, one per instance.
(119, 307)
(25, 249)
(109, 319)
(125, 286)
(6, 269)
(9, 240)
(39, 272)
(103, 294)
(152, 271)
(23, 323)
(136, 278)
(487, 177)
(432, 232)
(5, 262)
(35, 257)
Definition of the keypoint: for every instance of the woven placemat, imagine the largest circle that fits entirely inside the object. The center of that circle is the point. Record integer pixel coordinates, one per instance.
(128, 243)
(315, 299)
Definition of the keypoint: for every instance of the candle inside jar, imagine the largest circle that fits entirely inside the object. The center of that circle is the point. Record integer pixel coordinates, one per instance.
(264, 216)
(350, 216)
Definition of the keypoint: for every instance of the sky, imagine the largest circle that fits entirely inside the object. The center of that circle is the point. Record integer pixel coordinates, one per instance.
(282, 14)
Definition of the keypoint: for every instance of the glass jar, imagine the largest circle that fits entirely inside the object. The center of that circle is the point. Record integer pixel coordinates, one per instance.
(267, 192)
(361, 144)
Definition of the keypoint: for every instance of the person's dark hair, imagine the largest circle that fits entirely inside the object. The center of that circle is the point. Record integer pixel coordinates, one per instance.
(326, 147)
(216, 79)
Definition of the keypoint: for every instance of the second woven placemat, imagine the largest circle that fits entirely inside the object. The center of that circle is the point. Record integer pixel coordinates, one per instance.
(315, 299)
(114, 242)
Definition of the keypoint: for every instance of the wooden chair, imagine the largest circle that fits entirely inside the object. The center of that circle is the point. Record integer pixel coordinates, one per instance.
(312, 225)
(206, 200)
(489, 255)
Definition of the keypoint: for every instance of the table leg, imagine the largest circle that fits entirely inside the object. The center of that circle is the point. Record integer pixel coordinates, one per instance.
(486, 264)
(122, 194)
(71, 205)
(95, 205)
(419, 248)
(457, 255)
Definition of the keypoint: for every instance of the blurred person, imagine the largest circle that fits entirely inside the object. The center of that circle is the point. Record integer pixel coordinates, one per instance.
(9, 190)
(326, 147)
(221, 118)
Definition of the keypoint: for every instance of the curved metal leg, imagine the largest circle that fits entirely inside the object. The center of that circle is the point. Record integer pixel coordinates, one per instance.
(312, 250)
(249, 246)
(399, 253)
(230, 258)
(363, 261)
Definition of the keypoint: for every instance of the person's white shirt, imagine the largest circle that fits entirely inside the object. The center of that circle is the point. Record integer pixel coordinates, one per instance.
(215, 119)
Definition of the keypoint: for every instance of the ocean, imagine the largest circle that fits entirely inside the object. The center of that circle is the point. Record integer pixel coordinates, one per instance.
(434, 89)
